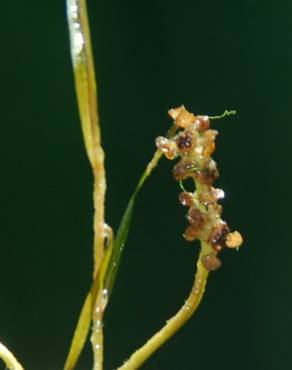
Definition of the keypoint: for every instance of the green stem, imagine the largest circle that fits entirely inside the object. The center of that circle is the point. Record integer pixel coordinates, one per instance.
(173, 324)
(9, 359)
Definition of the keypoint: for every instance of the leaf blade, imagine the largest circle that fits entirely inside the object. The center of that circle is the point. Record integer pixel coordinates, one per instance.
(123, 230)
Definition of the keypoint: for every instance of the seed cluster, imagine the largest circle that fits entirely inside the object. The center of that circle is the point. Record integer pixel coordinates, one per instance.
(193, 144)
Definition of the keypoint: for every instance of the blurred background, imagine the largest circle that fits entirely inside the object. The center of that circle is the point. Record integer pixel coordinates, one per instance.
(150, 56)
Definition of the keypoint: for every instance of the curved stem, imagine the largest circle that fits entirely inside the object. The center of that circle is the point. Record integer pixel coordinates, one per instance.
(9, 359)
(173, 324)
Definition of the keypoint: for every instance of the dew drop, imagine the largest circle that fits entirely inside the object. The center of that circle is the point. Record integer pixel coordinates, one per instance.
(104, 298)
(219, 193)
(187, 306)
(78, 42)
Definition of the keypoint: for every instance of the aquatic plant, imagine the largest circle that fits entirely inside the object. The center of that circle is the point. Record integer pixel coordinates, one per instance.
(191, 142)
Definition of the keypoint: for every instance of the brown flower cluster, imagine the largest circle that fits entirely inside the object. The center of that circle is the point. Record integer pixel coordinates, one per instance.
(193, 144)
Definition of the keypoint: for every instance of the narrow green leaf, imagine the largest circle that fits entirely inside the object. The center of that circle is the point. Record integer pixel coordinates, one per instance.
(119, 244)
(123, 230)
(80, 334)
(84, 74)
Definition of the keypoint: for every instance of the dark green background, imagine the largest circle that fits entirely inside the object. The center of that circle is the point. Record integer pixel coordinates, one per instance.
(150, 56)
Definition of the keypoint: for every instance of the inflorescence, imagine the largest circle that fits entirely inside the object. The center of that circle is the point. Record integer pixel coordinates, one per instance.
(193, 144)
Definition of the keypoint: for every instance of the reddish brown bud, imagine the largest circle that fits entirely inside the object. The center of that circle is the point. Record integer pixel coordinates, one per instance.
(211, 262)
(183, 169)
(186, 199)
(196, 218)
(185, 142)
(202, 123)
(208, 174)
(218, 236)
(210, 198)
(191, 233)
(207, 198)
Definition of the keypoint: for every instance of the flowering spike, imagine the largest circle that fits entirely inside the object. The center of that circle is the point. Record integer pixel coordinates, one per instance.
(194, 144)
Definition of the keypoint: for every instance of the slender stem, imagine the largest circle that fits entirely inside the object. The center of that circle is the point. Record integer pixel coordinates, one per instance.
(96, 336)
(100, 299)
(154, 162)
(83, 65)
(173, 324)
(9, 359)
